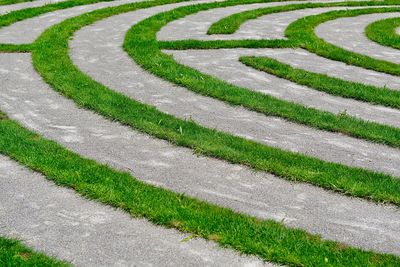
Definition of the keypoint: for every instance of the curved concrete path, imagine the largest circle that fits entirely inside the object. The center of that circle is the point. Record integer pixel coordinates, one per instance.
(348, 33)
(28, 100)
(59, 222)
(97, 51)
(27, 31)
(37, 3)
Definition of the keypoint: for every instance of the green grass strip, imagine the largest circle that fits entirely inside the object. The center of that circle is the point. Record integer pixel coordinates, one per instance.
(232, 23)
(51, 59)
(13, 253)
(197, 44)
(324, 83)
(142, 46)
(10, 2)
(384, 32)
(303, 31)
(267, 239)
(10, 48)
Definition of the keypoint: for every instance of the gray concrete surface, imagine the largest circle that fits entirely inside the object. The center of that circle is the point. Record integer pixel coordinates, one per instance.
(225, 65)
(348, 33)
(25, 98)
(97, 51)
(37, 3)
(60, 223)
(27, 31)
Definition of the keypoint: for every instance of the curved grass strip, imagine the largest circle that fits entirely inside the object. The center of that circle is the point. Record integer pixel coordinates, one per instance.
(232, 23)
(218, 44)
(142, 46)
(13, 253)
(303, 31)
(51, 59)
(10, 2)
(325, 83)
(10, 48)
(384, 32)
(267, 239)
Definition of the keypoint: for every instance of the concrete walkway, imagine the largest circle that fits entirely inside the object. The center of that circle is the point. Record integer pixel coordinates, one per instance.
(348, 33)
(37, 3)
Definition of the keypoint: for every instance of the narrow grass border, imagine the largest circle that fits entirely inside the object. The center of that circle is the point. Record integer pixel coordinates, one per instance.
(267, 239)
(52, 61)
(218, 44)
(14, 253)
(384, 32)
(11, 2)
(321, 82)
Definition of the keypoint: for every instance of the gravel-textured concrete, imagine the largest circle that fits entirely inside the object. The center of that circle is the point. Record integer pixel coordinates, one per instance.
(97, 50)
(19, 6)
(348, 33)
(28, 100)
(27, 31)
(226, 66)
(60, 223)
